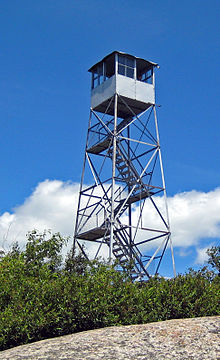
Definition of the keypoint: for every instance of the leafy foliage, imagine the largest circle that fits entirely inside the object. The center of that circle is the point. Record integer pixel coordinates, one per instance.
(42, 297)
(214, 258)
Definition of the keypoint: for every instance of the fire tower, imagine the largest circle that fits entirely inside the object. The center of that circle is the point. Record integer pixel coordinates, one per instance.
(122, 210)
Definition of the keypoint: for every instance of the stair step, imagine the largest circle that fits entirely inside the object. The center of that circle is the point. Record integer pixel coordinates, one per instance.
(119, 160)
(123, 261)
(133, 181)
(125, 172)
(119, 256)
(122, 167)
(117, 249)
(134, 277)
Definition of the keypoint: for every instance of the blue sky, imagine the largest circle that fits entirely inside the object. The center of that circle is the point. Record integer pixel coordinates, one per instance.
(46, 48)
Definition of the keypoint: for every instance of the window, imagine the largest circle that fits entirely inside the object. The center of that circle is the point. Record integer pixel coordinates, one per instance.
(98, 76)
(103, 71)
(126, 66)
(145, 76)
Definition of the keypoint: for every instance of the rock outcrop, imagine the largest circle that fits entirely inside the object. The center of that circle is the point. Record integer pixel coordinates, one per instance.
(180, 339)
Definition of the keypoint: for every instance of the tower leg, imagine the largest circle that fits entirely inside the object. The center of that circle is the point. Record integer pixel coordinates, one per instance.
(112, 221)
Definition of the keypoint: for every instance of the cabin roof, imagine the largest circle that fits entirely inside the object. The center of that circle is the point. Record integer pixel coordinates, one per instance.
(140, 62)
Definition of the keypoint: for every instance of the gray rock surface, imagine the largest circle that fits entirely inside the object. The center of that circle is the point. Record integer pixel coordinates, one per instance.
(195, 339)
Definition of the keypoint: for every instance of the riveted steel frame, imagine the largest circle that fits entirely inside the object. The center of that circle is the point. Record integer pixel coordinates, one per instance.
(125, 183)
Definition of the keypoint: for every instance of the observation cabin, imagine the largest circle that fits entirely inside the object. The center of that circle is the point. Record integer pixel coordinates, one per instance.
(130, 77)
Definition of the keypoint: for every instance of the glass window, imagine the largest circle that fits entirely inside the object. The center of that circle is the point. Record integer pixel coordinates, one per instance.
(126, 66)
(130, 62)
(98, 76)
(145, 75)
(121, 69)
(121, 59)
(100, 69)
(110, 66)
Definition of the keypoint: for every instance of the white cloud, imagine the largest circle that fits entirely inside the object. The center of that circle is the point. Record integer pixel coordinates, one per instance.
(52, 205)
(202, 255)
(194, 215)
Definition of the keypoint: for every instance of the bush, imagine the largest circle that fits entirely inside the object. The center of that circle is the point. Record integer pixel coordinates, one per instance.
(41, 297)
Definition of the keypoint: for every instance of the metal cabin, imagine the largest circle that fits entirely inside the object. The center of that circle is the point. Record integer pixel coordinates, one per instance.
(130, 77)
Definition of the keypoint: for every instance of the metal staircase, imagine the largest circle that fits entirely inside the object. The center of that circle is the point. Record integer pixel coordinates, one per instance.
(106, 210)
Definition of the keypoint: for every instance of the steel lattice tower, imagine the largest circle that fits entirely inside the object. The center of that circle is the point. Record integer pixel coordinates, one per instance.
(122, 209)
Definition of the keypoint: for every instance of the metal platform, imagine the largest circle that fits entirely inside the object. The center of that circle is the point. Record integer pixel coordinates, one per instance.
(94, 234)
(104, 143)
(100, 232)
(139, 196)
(101, 146)
(123, 110)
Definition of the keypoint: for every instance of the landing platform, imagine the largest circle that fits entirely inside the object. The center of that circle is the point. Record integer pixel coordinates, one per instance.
(98, 148)
(139, 196)
(104, 144)
(94, 234)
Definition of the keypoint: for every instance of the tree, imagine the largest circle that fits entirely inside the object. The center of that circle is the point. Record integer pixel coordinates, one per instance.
(214, 258)
(44, 249)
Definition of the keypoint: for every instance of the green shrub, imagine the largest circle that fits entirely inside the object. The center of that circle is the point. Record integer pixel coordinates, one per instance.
(41, 298)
